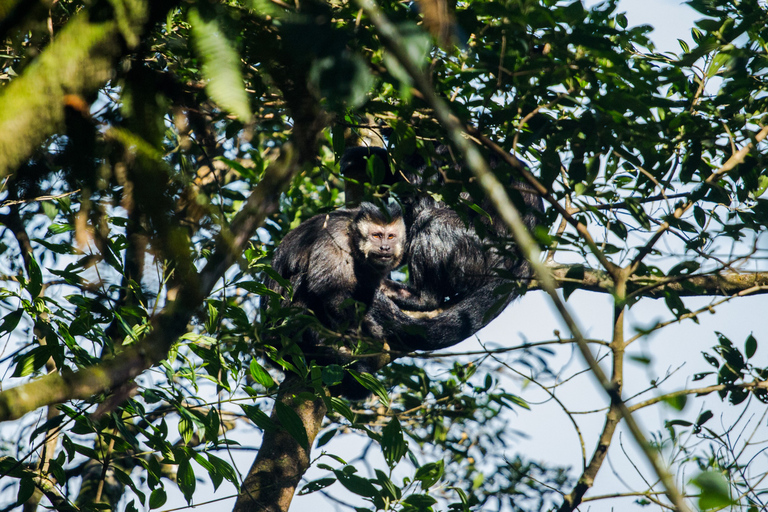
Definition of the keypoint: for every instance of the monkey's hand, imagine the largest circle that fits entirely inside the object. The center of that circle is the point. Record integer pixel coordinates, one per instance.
(406, 298)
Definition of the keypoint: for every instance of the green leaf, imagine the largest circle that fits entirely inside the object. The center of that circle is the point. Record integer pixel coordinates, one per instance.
(11, 320)
(316, 485)
(704, 417)
(700, 216)
(718, 62)
(711, 359)
(420, 501)
(341, 407)
(332, 374)
(516, 400)
(292, 423)
(157, 498)
(677, 402)
(212, 424)
(387, 487)
(221, 65)
(574, 277)
(186, 480)
(325, 437)
(186, 429)
(259, 418)
(35, 283)
(356, 484)
(393, 444)
(430, 474)
(750, 346)
(57, 229)
(715, 491)
(26, 489)
(762, 186)
(33, 360)
(224, 469)
(260, 375)
(637, 211)
(372, 384)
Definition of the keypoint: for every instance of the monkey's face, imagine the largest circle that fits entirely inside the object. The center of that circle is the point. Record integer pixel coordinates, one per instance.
(382, 244)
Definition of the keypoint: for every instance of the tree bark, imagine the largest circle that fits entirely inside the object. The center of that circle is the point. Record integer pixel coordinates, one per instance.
(655, 287)
(282, 461)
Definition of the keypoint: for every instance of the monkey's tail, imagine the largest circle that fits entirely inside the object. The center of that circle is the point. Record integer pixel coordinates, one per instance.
(453, 325)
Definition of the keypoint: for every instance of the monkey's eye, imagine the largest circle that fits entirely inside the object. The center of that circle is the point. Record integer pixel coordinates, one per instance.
(377, 235)
(390, 236)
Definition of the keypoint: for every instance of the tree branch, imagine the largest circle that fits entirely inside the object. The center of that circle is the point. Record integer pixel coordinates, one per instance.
(79, 61)
(749, 386)
(698, 285)
(282, 461)
(184, 300)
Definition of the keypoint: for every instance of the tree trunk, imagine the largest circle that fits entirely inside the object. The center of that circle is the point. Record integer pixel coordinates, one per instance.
(282, 461)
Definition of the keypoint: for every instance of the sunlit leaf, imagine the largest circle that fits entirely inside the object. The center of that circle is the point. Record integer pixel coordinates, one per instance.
(393, 444)
(221, 64)
(429, 474)
(715, 492)
(260, 375)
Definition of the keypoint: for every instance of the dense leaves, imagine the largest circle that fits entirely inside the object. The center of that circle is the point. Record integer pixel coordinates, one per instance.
(135, 135)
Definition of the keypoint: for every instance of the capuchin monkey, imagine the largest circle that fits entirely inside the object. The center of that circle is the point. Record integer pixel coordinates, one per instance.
(332, 258)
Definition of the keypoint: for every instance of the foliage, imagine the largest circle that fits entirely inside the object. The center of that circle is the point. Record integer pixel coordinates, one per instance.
(127, 160)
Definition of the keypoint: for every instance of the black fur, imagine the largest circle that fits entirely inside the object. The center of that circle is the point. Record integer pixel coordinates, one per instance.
(332, 258)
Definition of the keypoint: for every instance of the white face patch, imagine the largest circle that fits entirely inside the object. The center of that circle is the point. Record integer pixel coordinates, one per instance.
(383, 243)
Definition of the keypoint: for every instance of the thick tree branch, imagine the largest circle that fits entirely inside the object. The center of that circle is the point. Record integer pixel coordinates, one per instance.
(184, 300)
(80, 60)
(719, 284)
(282, 461)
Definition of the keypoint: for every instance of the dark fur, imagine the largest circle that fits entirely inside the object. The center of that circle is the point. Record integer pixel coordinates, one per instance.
(332, 258)
(446, 257)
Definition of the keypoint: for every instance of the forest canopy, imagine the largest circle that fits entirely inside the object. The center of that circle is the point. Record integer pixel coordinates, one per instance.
(153, 154)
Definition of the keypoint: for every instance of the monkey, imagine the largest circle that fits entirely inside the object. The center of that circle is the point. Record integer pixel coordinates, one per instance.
(447, 258)
(342, 255)
(332, 258)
